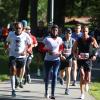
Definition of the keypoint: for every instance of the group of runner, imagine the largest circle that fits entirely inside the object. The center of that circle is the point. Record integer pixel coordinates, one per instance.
(61, 55)
(74, 50)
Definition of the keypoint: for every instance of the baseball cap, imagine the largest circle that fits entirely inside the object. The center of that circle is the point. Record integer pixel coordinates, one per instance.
(68, 30)
(24, 22)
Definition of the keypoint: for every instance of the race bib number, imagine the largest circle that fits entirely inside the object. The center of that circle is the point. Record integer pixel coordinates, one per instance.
(67, 52)
(84, 55)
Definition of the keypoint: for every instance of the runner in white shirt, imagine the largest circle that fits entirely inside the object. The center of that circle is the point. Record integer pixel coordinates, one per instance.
(19, 44)
(52, 59)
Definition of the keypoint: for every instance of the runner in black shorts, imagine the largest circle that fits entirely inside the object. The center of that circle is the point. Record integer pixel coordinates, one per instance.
(81, 50)
(17, 43)
(66, 59)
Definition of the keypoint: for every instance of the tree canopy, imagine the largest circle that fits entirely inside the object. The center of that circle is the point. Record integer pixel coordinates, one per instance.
(10, 10)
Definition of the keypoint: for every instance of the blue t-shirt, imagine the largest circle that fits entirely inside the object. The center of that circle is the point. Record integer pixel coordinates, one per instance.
(76, 36)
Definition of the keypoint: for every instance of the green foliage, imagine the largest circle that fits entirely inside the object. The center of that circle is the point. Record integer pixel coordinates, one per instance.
(95, 18)
(4, 69)
(8, 11)
(42, 9)
(4, 77)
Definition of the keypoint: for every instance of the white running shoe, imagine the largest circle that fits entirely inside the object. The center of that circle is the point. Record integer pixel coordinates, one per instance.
(82, 96)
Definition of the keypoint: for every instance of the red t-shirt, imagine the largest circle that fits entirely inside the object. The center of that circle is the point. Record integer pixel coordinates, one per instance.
(34, 40)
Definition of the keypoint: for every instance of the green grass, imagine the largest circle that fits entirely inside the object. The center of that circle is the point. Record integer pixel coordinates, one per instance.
(3, 62)
(4, 70)
(4, 77)
(95, 90)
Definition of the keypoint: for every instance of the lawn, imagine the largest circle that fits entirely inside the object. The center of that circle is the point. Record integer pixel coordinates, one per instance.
(95, 90)
(3, 60)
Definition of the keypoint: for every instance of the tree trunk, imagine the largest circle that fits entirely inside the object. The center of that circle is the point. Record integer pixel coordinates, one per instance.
(33, 15)
(48, 11)
(59, 12)
(23, 10)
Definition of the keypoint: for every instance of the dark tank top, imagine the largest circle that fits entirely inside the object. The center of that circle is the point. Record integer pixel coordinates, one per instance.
(84, 46)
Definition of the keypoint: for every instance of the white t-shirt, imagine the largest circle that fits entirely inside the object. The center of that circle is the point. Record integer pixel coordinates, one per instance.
(52, 45)
(18, 44)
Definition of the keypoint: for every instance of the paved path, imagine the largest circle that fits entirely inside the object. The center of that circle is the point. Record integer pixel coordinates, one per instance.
(35, 91)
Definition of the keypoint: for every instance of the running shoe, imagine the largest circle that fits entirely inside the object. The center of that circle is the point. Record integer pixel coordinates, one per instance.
(74, 83)
(20, 85)
(61, 81)
(13, 93)
(67, 91)
(52, 97)
(82, 96)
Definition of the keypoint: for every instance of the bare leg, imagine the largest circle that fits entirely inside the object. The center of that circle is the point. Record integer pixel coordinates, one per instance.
(87, 79)
(74, 71)
(62, 75)
(82, 82)
(68, 76)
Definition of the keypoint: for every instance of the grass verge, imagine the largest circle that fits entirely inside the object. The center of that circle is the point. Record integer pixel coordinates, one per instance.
(95, 90)
(4, 77)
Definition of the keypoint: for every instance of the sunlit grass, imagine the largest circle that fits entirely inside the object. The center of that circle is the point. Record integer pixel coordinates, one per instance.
(95, 90)
(4, 77)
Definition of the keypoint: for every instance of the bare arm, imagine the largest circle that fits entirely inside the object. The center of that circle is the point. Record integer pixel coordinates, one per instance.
(74, 49)
(94, 43)
(95, 46)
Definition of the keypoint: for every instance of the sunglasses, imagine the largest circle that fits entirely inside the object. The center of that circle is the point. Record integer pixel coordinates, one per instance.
(68, 33)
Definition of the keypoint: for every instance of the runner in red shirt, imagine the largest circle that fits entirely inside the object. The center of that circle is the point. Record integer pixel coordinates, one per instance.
(29, 55)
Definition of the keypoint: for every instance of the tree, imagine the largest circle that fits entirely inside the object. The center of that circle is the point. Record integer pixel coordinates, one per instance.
(33, 15)
(23, 10)
(42, 10)
(59, 12)
(8, 11)
(70, 7)
(95, 17)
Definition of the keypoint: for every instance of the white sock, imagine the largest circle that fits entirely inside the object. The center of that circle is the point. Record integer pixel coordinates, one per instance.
(13, 82)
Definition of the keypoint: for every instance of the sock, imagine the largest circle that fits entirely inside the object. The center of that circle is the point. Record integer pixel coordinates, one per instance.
(13, 82)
